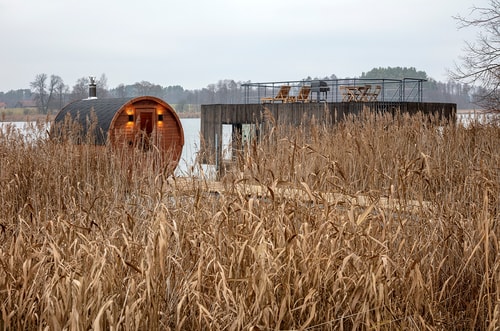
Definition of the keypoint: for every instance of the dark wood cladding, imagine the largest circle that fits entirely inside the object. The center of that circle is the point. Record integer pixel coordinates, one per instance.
(298, 114)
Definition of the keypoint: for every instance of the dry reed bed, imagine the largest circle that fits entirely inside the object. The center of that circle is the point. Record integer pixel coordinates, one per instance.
(86, 242)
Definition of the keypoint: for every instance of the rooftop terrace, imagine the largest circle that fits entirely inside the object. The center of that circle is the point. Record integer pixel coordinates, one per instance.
(339, 90)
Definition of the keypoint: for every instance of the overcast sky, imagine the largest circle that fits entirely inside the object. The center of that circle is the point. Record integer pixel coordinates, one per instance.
(194, 43)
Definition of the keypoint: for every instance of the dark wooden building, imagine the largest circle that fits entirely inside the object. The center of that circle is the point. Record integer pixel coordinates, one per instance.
(260, 116)
(142, 122)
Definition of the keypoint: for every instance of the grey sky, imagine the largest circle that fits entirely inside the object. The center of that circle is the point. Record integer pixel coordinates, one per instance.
(198, 42)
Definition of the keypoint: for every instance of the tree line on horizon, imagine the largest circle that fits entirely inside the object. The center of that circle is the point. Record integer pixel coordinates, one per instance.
(50, 93)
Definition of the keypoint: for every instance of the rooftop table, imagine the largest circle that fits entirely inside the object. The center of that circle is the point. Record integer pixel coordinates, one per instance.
(355, 93)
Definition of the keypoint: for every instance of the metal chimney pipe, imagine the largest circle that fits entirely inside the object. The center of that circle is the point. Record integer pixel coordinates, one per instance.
(92, 88)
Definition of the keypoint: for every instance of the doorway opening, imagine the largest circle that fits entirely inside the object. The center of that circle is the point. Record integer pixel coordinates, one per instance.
(146, 129)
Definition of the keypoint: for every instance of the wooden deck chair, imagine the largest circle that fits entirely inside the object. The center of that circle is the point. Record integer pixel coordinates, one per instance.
(373, 96)
(350, 93)
(282, 95)
(365, 92)
(303, 95)
(345, 93)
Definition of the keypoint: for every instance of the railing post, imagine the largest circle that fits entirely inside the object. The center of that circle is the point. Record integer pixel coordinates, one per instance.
(402, 86)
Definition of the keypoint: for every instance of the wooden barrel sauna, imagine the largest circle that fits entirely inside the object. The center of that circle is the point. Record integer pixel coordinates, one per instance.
(144, 122)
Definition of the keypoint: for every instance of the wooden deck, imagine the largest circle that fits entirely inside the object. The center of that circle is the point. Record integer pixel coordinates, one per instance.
(304, 194)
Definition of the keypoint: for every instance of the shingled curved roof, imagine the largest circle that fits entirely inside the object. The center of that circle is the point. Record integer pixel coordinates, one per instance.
(104, 110)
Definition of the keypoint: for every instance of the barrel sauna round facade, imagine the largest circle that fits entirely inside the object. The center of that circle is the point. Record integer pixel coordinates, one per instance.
(144, 122)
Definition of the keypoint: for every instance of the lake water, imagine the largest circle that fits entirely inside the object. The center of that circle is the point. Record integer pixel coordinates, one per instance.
(191, 127)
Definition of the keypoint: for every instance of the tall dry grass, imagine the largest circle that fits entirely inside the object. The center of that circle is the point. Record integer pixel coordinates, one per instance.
(86, 242)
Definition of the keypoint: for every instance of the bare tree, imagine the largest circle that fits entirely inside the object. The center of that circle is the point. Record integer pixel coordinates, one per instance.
(481, 61)
(102, 86)
(121, 91)
(80, 89)
(62, 91)
(147, 88)
(39, 88)
(43, 92)
(54, 85)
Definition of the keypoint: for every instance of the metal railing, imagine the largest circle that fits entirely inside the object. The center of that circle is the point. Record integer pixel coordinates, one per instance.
(391, 90)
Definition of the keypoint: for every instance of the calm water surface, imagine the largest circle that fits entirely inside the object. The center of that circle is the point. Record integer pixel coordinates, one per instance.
(191, 127)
